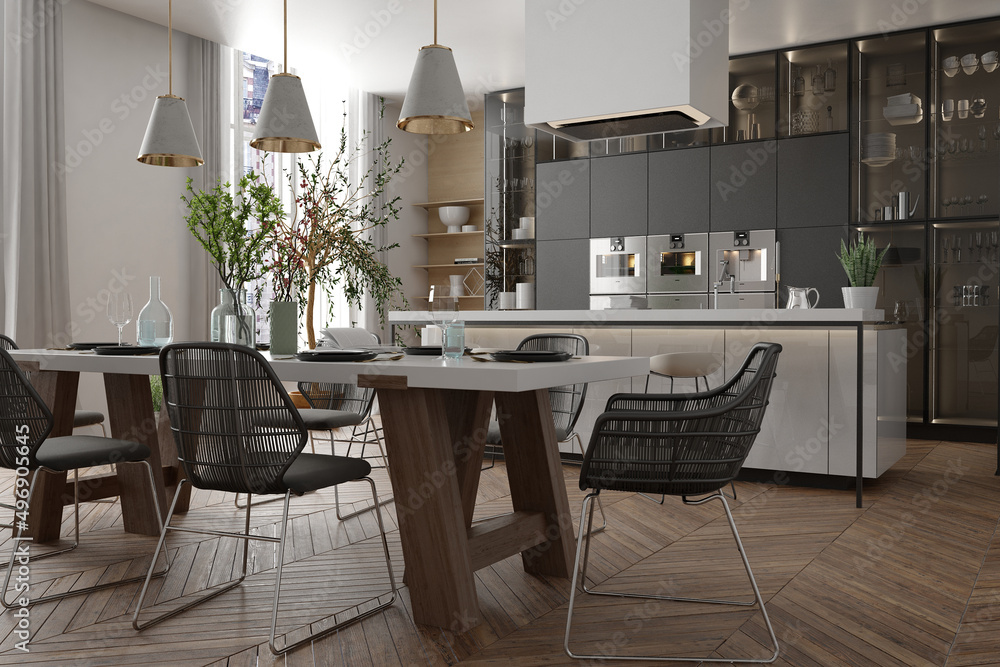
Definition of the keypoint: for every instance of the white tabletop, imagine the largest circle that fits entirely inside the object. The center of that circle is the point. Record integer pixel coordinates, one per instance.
(419, 371)
(759, 316)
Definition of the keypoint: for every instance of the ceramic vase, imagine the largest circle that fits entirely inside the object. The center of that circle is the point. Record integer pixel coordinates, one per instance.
(860, 297)
(283, 317)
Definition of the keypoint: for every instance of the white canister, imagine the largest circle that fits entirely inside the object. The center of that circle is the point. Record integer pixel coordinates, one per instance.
(528, 224)
(457, 287)
(519, 234)
(430, 335)
(525, 296)
(508, 300)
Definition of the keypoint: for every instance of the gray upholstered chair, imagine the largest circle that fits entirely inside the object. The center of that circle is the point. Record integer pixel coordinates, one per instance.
(81, 418)
(687, 445)
(25, 424)
(236, 430)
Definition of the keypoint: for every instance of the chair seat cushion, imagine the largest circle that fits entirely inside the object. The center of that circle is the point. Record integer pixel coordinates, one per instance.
(324, 420)
(82, 451)
(87, 418)
(685, 364)
(310, 472)
(493, 434)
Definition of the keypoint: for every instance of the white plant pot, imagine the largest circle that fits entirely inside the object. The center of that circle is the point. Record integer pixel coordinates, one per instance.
(860, 297)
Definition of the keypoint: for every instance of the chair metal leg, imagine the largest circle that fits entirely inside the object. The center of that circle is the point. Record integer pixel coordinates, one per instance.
(76, 542)
(385, 464)
(275, 649)
(579, 574)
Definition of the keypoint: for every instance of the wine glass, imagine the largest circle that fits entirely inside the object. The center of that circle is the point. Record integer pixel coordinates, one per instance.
(444, 310)
(979, 245)
(947, 246)
(119, 312)
(901, 311)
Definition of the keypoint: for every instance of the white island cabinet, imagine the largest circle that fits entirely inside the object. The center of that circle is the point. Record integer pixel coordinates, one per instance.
(811, 424)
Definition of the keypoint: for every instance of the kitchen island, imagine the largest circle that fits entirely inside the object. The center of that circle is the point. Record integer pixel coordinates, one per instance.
(838, 405)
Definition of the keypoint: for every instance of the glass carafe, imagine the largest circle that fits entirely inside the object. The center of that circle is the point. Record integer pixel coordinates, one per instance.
(241, 324)
(154, 325)
(226, 307)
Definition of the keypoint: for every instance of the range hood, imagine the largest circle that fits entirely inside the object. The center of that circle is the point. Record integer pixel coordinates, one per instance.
(616, 68)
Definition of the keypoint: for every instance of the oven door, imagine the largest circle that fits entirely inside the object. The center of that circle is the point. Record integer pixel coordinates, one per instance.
(677, 263)
(616, 265)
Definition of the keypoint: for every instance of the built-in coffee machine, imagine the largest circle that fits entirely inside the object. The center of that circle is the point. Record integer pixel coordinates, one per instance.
(743, 271)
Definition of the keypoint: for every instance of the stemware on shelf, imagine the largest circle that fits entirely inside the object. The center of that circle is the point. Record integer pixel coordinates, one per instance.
(119, 312)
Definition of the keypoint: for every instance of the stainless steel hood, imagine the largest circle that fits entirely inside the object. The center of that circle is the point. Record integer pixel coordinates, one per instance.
(597, 69)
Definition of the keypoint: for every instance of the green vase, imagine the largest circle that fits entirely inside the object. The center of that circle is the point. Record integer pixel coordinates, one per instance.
(284, 318)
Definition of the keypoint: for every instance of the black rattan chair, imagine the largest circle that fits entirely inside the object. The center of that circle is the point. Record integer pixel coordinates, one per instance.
(679, 445)
(237, 430)
(25, 424)
(567, 401)
(81, 418)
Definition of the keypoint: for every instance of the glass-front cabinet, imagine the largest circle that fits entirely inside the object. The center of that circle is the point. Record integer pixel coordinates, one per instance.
(815, 87)
(752, 98)
(510, 201)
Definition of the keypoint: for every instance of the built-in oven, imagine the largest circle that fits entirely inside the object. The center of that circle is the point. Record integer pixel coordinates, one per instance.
(617, 265)
(677, 263)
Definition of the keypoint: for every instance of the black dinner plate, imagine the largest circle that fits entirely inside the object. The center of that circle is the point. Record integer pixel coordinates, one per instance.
(335, 355)
(90, 346)
(126, 350)
(530, 355)
(428, 350)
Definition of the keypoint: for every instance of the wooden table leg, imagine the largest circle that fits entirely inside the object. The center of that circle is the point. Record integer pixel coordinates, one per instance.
(130, 411)
(536, 479)
(468, 421)
(429, 507)
(168, 457)
(58, 390)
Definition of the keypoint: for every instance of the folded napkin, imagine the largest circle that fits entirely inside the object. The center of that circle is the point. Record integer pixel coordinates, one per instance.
(347, 338)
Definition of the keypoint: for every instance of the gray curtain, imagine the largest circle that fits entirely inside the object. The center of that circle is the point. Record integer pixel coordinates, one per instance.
(204, 283)
(34, 281)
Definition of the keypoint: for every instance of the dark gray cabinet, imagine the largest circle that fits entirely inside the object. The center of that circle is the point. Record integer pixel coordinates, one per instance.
(562, 200)
(814, 181)
(742, 193)
(562, 279)
(678, 201)
(618, 195)
(809, 259)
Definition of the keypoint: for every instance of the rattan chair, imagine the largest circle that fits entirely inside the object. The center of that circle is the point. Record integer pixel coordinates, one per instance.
(81, 418)
(25, 424)
(566, 401)
(334, 406)
(237, 430)
(683, 445)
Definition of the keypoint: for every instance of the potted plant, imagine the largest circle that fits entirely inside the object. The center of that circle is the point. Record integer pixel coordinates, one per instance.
(328, 239)
(234, 229)
(861, 262)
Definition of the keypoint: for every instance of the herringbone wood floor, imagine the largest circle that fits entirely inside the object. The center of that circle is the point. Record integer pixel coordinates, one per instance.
(913, 578)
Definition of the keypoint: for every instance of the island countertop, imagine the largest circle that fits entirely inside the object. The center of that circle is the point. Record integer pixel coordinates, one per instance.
(763, 316)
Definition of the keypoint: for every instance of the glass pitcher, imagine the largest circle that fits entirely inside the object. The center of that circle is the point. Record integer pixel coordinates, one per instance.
(798, 297)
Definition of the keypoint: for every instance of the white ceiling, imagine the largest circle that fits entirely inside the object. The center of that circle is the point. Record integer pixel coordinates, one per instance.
(487, 36)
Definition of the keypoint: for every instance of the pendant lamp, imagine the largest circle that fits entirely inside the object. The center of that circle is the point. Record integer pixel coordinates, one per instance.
(170, 140)
(285, 124)
(435, 102)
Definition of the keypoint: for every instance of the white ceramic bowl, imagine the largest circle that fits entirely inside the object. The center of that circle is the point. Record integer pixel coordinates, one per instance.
(454, 216)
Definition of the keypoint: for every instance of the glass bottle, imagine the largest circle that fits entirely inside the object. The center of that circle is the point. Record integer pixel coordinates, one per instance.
(830, 77)
(226, 307)
(241, 324)
(154, 325)
(798, 83)
(818, 81)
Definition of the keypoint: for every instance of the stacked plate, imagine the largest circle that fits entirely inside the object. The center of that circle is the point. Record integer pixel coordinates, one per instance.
(903, 109)
(879, 149)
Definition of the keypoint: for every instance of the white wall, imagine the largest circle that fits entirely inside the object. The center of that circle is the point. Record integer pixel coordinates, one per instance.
(125, 219)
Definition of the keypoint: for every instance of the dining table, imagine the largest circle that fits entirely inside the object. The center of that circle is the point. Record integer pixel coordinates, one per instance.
(435, 414)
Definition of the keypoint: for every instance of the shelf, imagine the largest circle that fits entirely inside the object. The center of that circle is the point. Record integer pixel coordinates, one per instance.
(447, 266)
(452, 202)
(515, 243)
(464, 296)
(448, 234)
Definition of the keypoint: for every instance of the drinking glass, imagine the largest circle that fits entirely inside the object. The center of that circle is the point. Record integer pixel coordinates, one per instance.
(119, 312)
(444, 310)
(901, 311)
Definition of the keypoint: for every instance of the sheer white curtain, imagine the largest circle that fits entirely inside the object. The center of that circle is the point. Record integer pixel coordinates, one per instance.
(364, 121)
(33, 238)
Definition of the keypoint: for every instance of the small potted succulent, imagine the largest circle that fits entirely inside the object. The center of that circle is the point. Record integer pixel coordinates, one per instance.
(861, 262)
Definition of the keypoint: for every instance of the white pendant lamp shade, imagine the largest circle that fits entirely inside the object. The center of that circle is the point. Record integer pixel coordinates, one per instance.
(170, 140)
(435, 102)
(285, 124)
